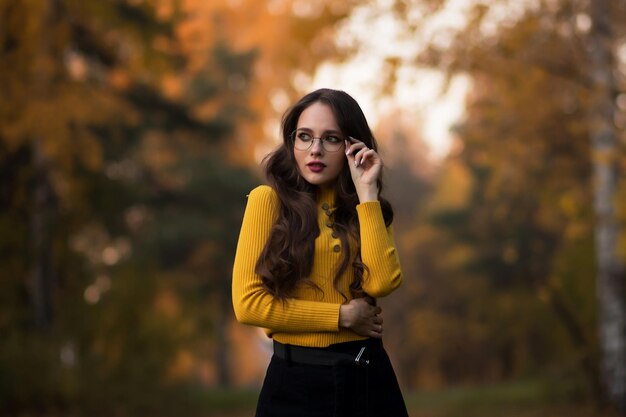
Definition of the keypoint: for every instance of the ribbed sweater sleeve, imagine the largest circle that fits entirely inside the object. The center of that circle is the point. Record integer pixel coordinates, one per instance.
(252, 303)
(378, 251)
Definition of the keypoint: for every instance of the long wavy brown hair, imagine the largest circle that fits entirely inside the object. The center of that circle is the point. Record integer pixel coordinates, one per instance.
(287, 258)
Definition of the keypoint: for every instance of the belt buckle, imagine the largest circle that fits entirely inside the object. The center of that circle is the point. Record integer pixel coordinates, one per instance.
(359, 360)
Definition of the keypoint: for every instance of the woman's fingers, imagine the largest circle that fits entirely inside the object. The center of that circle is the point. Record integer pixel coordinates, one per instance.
(353, 143)
(367, 320)
(376, 326)
(377, 323)
(362, 156)
(377, 331)
(359, 151)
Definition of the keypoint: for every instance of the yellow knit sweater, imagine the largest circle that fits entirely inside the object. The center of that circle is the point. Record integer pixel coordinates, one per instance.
(311, 317)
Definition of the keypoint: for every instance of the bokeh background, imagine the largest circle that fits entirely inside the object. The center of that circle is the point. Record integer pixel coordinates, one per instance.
(132, 130)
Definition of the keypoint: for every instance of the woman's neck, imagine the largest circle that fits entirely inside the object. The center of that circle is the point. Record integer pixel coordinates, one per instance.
(326, 194)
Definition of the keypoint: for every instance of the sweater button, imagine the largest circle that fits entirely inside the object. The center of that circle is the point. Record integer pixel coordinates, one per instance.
(335, 235)
(325, 206)
(329, 213)
(329, 224)
(336, 248)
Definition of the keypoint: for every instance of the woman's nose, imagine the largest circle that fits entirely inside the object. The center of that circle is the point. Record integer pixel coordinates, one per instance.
(316, 147)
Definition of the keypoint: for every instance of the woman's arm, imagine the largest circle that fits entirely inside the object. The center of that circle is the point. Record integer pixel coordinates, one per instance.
(255, 306)
(378, 251)
(252, 303)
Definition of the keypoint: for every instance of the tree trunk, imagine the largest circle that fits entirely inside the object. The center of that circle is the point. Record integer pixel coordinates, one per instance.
(40, 280)
(41, 275)
(610, 265)
(579, 338)
(222, 345)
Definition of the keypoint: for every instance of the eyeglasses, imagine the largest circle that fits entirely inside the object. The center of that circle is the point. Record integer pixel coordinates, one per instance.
(303, 140)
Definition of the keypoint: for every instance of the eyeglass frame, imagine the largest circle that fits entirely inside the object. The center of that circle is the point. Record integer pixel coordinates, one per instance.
(320, 138)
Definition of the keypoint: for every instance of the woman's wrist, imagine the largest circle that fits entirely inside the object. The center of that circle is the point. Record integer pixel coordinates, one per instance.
(369, 193)
(345, 315)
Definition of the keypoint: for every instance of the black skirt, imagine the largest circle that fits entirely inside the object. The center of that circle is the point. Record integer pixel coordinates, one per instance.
(293, 389)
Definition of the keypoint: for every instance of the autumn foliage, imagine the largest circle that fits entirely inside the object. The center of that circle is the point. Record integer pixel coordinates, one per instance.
(131, 132)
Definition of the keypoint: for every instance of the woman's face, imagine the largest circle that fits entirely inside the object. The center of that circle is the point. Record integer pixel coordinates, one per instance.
(317, 164)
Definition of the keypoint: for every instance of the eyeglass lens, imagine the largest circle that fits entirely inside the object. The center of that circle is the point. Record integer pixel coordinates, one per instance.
(304, 140)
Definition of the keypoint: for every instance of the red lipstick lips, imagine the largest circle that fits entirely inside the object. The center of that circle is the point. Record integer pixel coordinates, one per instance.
(316, 166)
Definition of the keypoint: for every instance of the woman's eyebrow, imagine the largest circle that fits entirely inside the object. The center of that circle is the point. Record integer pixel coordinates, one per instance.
(325, 132)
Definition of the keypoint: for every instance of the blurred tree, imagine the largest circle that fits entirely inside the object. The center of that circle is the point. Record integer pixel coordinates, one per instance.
(408, 180)
(522, 213)
(291, 38)
(83, 115)
(604, 38)
(120, 201)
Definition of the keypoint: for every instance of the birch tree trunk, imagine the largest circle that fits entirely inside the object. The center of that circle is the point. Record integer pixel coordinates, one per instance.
(610, 286)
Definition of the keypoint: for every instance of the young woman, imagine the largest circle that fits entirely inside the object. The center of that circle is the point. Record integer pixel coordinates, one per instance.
(315, 251)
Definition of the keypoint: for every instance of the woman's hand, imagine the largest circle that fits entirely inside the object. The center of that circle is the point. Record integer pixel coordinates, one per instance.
(365, 166)
(362, 318)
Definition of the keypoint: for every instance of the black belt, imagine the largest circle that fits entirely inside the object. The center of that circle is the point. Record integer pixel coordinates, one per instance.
(313, 356)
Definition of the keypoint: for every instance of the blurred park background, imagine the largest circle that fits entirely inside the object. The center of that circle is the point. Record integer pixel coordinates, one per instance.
(132, 130)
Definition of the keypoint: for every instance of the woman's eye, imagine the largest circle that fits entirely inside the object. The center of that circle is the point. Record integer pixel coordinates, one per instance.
(305, 137)
(334, 139)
